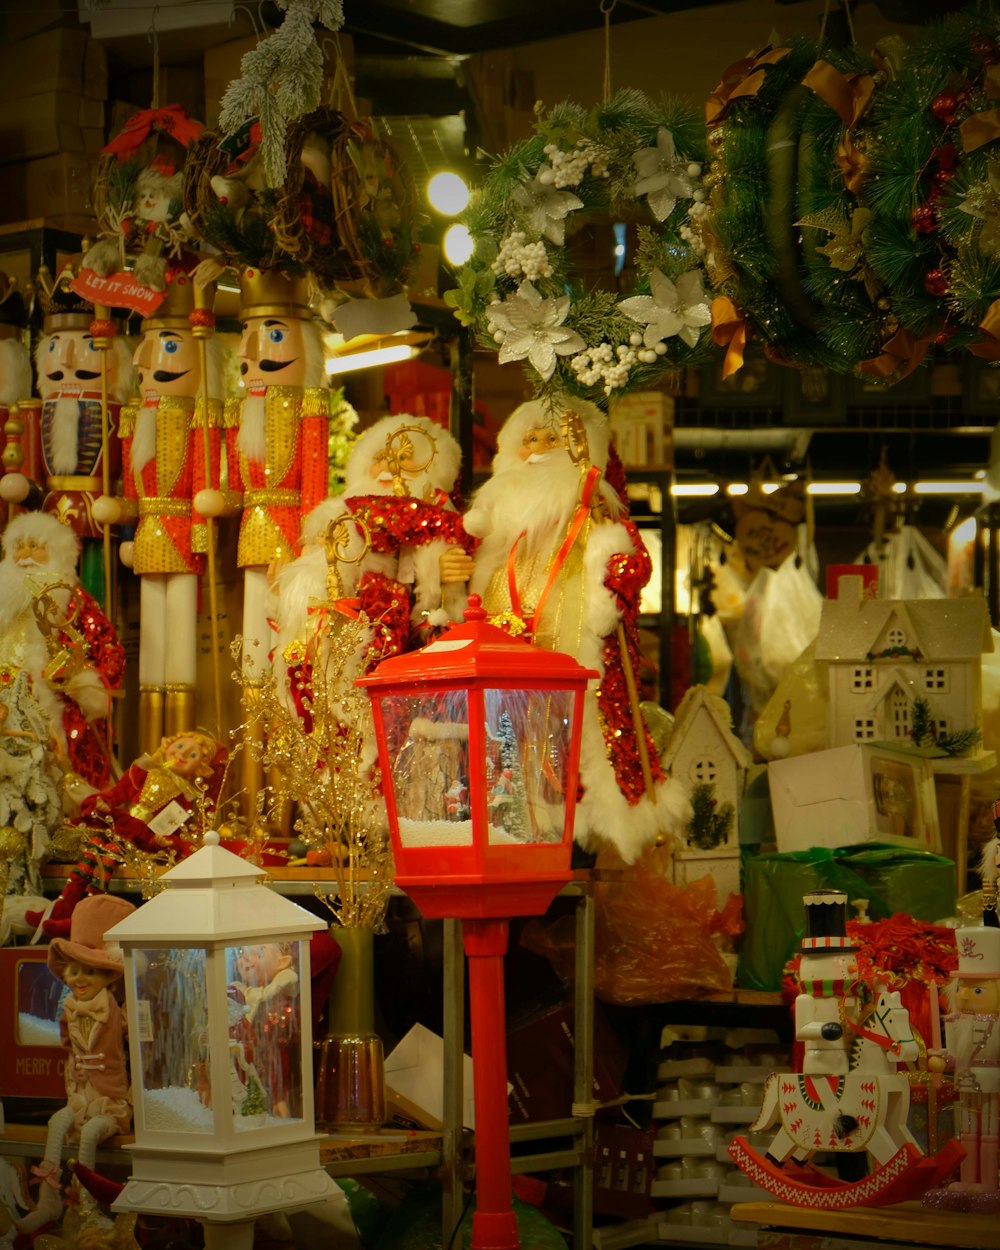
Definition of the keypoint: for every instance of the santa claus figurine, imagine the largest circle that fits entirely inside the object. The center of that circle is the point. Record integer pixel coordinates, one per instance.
(164, 468)
(398, 521)
(158, 805)
(561, 563)
(70, 363)
(52, 628)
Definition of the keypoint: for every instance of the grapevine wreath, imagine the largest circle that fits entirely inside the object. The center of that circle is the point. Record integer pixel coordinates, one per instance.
(582, 334)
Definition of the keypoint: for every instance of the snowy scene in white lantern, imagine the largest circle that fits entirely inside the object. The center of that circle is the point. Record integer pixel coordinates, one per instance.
(217, 993)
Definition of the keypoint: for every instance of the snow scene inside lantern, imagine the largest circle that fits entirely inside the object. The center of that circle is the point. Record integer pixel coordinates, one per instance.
(514, 763)
(189, 1075)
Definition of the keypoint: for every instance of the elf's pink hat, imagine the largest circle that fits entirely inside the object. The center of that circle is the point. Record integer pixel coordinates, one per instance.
(93, 916)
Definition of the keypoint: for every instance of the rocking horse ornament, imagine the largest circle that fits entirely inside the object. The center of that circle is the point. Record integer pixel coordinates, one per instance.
(849, 1096)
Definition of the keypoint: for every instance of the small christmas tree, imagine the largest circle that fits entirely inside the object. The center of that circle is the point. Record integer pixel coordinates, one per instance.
(924, 734)
(710, 824)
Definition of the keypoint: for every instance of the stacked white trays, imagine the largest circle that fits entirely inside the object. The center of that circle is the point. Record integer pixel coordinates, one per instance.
(709, 1089)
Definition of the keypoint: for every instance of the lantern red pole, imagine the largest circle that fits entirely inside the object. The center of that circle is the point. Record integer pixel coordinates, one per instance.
(494, 1224)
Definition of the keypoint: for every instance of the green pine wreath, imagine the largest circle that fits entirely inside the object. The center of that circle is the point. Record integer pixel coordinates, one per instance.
(628, 160)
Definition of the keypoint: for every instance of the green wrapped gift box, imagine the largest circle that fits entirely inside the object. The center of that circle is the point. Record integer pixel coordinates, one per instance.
(892, 878)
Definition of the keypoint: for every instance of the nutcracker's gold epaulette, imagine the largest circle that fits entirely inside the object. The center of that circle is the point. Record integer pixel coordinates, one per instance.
(231, 414)
(126, 420)
(316, 401)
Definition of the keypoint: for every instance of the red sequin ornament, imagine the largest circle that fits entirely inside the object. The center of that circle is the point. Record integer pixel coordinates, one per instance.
(201, 317)
(935, 282)
(100, 328)
(944, 107)
(924, 219)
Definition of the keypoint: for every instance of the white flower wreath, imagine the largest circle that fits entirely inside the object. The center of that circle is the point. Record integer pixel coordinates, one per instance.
(625, 160)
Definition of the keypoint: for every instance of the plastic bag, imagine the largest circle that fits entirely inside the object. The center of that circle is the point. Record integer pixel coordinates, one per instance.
(793, 721)
(780, 619)
(909, 567)
(653, 940)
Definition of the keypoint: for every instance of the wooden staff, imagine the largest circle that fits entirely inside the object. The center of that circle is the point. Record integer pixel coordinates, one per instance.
(102, 331)
(202, 321)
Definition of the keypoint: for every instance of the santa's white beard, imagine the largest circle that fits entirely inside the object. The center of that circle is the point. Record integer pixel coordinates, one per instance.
(18, 588)
(252, 437)
(144, 439)
(64, 435)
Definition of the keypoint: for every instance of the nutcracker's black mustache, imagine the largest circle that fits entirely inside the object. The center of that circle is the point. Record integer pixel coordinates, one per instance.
(164, 375)
(85, 375)
(267, 366)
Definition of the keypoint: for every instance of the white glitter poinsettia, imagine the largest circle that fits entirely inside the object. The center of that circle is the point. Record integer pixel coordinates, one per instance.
(663, 175)
(527, 325)
(671, 309)
(544, 206)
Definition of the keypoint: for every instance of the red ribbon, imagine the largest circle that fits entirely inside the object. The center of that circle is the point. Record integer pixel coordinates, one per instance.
(171, 121)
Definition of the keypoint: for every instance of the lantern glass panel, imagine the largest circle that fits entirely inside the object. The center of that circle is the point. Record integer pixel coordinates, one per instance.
(428, 743)
(171, 997)
(527, 759)
(265, 1034)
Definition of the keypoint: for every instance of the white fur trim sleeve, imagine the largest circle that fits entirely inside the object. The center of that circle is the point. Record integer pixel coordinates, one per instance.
(87, 689)
(601, 613)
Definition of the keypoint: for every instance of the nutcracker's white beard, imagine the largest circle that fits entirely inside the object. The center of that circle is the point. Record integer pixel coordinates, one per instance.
(252, 437)
(65, 433)
(144, 439)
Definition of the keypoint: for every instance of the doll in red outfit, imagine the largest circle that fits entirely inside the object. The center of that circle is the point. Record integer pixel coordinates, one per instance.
(92, 1028)
(149, 807)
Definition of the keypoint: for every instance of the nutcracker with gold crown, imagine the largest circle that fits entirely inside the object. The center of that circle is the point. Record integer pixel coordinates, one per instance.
(165, 465)
(81, 358)
(278, 456)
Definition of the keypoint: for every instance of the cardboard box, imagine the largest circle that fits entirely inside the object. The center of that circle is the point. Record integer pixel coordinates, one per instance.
(48, 123)
(414, 1081)
(540, 1062)
(23, 20)
(641, 426)
(61, 59)
(52, 187)
(34, 1059)
(853, 794)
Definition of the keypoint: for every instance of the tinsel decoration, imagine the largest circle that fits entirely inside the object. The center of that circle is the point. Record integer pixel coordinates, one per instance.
(525, 290)
(281, 79)
(321, 760)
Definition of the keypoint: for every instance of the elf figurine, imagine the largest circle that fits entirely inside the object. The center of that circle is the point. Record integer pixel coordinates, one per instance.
(972, 1053)
(70, 363)
(157, 805)
(92, 1028)
(163, 444)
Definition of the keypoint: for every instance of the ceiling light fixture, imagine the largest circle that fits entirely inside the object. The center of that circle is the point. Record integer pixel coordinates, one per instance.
(369, 359)
(448, 193)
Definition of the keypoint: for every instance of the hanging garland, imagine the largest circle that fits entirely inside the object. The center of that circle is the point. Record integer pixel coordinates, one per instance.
(785, 233)
(934, 162)
(628, 160)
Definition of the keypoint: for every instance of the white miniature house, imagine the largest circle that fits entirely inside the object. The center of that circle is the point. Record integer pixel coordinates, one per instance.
(890, 661)
(707, 758)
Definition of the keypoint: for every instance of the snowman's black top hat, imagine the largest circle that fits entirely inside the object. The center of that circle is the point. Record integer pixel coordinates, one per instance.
(826, 923)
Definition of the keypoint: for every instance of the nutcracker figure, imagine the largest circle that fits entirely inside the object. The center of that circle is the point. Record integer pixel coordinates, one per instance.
(15, 367)
(278, 456)
(972, 1053)
(164, 467)
(73, 370)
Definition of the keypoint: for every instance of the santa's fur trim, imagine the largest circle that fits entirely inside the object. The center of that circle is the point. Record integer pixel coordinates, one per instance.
(62, 544)
(15, 371)
(426, 579)
(315, 522)
(87, 690)
(600, 606)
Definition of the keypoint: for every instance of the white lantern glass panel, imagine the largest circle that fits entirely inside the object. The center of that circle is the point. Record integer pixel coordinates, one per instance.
(428, 743)
(171, 996)
(264, 1018)
(527, 757)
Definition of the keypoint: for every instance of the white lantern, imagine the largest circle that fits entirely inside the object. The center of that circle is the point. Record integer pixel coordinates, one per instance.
(217, 992)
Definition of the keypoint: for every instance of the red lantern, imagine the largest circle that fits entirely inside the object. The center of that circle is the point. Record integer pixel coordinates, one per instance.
(479, 745)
